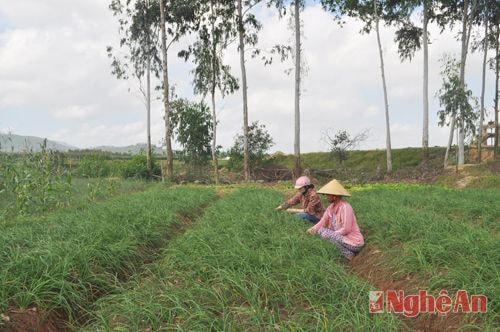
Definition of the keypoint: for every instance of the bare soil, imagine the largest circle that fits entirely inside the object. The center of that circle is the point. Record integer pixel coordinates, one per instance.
(32, 320)
(372, 265)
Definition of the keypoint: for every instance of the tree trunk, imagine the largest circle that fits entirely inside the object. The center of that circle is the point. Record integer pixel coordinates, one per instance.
(461, 135)
(386, 103)
(214, 139)
(458, 120)
(467, 19)
(148, 124)
(212, 92)
(296, 147)
(166, 101)
(246, 157)
(483, 84)
(450, 141)
(425, 92)
(497, 58)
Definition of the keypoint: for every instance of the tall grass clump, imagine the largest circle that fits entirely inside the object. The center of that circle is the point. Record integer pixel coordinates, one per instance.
(67, 259)
(94, 165)
(244, 266)
(33, 182)
(446, 238)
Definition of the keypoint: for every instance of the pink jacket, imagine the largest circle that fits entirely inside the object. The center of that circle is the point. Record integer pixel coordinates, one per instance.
(341, 219)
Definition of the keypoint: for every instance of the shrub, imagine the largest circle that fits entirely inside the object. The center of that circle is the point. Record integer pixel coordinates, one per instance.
(137, 167)
(259, 143)
(34, 182)
(93, 166)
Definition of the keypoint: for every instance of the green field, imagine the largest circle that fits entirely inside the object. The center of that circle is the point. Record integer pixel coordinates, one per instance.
(64, 260)
(188, 258)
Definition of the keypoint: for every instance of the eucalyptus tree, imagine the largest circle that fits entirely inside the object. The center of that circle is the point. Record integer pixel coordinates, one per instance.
(493, 21)
(246, 30)
(488, 17)
(427, 10)
(370, 12)
(450, 12)
(297, 5)
(241, 34)
(247, 27)
(410, 38)
(497, 68)
(139, 26)
(384, 84)
(455, 99)
(176, 18)
(207, 52)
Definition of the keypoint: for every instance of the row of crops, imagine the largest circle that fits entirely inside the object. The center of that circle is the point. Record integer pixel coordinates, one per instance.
(443, 238)
(242, 265)
(65, 260)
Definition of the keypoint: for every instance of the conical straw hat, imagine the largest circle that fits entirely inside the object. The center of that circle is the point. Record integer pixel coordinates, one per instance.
(334, 188)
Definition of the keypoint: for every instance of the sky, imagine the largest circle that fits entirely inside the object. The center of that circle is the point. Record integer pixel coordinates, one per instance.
(56, 82)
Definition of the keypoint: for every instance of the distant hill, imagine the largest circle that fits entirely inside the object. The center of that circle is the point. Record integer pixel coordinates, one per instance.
(19, 143)
(130, 149)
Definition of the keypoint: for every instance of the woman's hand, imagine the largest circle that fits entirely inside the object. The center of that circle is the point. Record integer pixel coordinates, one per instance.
(279, 207)
(312, 230)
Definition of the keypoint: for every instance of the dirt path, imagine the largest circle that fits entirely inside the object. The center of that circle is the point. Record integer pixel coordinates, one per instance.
(27, 320)
(464, 182)
(374, 266)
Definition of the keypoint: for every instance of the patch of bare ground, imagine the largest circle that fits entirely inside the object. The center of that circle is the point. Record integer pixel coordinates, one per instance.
(188, 218)
(419, 174)
(464, 182)
(32, 320)
(374, 266)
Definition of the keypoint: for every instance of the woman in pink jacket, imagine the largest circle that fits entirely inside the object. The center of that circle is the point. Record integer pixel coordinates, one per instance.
(339, 224)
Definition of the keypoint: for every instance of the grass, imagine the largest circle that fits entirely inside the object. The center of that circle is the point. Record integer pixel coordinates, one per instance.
(65, 260)
(446, 238)
(362, 166)
(363, 160)
(82, 192)
(244, 266)
(484, 176)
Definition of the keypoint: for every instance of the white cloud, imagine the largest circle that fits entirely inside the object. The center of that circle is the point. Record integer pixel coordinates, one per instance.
(55, 73)
(75, 112)
(371, 110)
(118, 135)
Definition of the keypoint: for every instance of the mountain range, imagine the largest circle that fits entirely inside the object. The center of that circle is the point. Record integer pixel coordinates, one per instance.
(20, 143)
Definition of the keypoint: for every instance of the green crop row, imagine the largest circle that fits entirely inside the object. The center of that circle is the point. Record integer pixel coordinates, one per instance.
(244, 266)
(447, 238)
(78, 194)
(65, 260)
